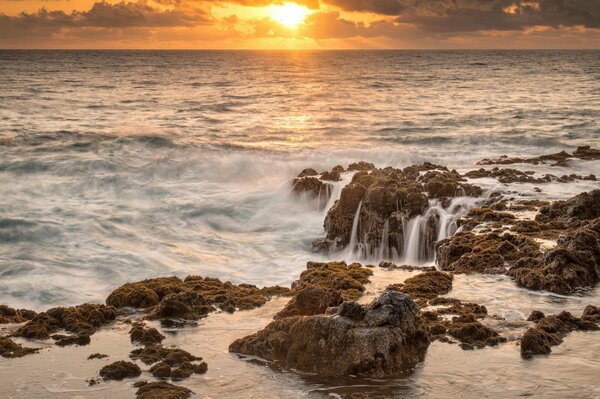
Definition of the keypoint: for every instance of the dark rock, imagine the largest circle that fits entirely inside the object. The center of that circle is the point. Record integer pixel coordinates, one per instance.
(550, 331)
(573, 264)
(82, 320)
(347, 280)
(145, 336)
(360, 166)
(585, 152)
(97, 356)
(428, 285)
(576, 211)
(591, 313)
(120, 370)
(161, 370)
(10, 349)
(536, 315)
(440, 184)
(185, 305)
(10, 315)
(162, 390)
(314, 189)
(310, 300)
(389, 338)
(331, 176)
(77, 339)
(308, 172)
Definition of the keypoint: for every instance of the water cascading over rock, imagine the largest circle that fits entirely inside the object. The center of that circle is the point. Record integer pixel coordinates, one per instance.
(397, 213)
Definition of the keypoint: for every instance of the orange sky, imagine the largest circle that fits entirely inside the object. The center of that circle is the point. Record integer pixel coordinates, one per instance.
(306, 24)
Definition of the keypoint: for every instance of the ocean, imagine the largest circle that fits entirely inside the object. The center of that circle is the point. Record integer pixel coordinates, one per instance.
(118, 166)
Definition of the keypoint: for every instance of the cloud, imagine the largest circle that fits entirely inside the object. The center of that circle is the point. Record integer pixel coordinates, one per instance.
(102, 15)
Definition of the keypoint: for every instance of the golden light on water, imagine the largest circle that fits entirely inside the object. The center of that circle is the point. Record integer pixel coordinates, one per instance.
(289, 14)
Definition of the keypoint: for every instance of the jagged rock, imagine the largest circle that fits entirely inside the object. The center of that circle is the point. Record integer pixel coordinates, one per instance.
(575, 212)
(120, 370)
(310, 300)
(331, 176)
(161, 390)
(591, 313)
(82, 320)
(536, 315)
(308, 172)
(171, 298)
(550, 331)
(347, 280)
(483, 253)
(10, 315)
(76, 339)
(10, 349)
(439, 184)
(313, 188)
(585, 152)
(361, 166)
(572, 264)
(97, 356)
(388, 339)
(428, 285)
(386, 196)
(145, 336)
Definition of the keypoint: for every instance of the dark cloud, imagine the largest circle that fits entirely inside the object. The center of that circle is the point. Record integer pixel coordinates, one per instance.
(101, 15)
(481, 15)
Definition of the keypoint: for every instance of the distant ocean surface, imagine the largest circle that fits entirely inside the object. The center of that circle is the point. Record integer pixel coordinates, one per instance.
(118, 166)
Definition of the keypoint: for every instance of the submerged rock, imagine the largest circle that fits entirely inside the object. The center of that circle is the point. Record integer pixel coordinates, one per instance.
(549, 331)
(10, 315)
(120, 370)
(97, 356)
(169, 362)
(379, 340)
(161, 390)
(8, 348)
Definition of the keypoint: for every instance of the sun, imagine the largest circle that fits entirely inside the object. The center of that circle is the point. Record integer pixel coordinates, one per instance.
(289, 14)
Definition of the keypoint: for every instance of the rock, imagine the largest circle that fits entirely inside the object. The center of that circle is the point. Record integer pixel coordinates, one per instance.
(82, 320)
(559, 159)
(386, 197)
(536, 315)
(10, 349)
(576, 211)
(483, 253)
(572, 264)
(10, 315)
(331, 176)
(360, 166)
(591, 313)
(390, 338)
(171, 298)
(440, 184)
(428, 285)
(308, 172)
(185, 305)
(550, 331)
(585, 152)
(97, 356)
(314, 189)
(145, 336)
(120, 370)
(169, 362)
(310, 300)
(347, 280)
(77, 339)
(162, 390)
(161, 370)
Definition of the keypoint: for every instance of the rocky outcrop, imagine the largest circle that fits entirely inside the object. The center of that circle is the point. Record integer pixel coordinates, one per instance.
(440, 184)
(379, 340)
(314, 189)
(483, 253)
(575, 211)
(82, 320)
(426, 285)
(10, 315)
(140, 334)
(573, 264)
(161, 390)
(10, 349)
(169, 362)
(170, 298)
(549, 331)
(348, 280)
(587, 153)
(120, 370)
(310, 300)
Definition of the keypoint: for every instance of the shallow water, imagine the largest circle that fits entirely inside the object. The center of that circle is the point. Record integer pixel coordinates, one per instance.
(120, 166)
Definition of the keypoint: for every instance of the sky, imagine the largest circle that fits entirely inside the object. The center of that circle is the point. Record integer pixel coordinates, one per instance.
(303, 24)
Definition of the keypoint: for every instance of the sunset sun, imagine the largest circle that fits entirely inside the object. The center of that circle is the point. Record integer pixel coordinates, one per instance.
(289, 14)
